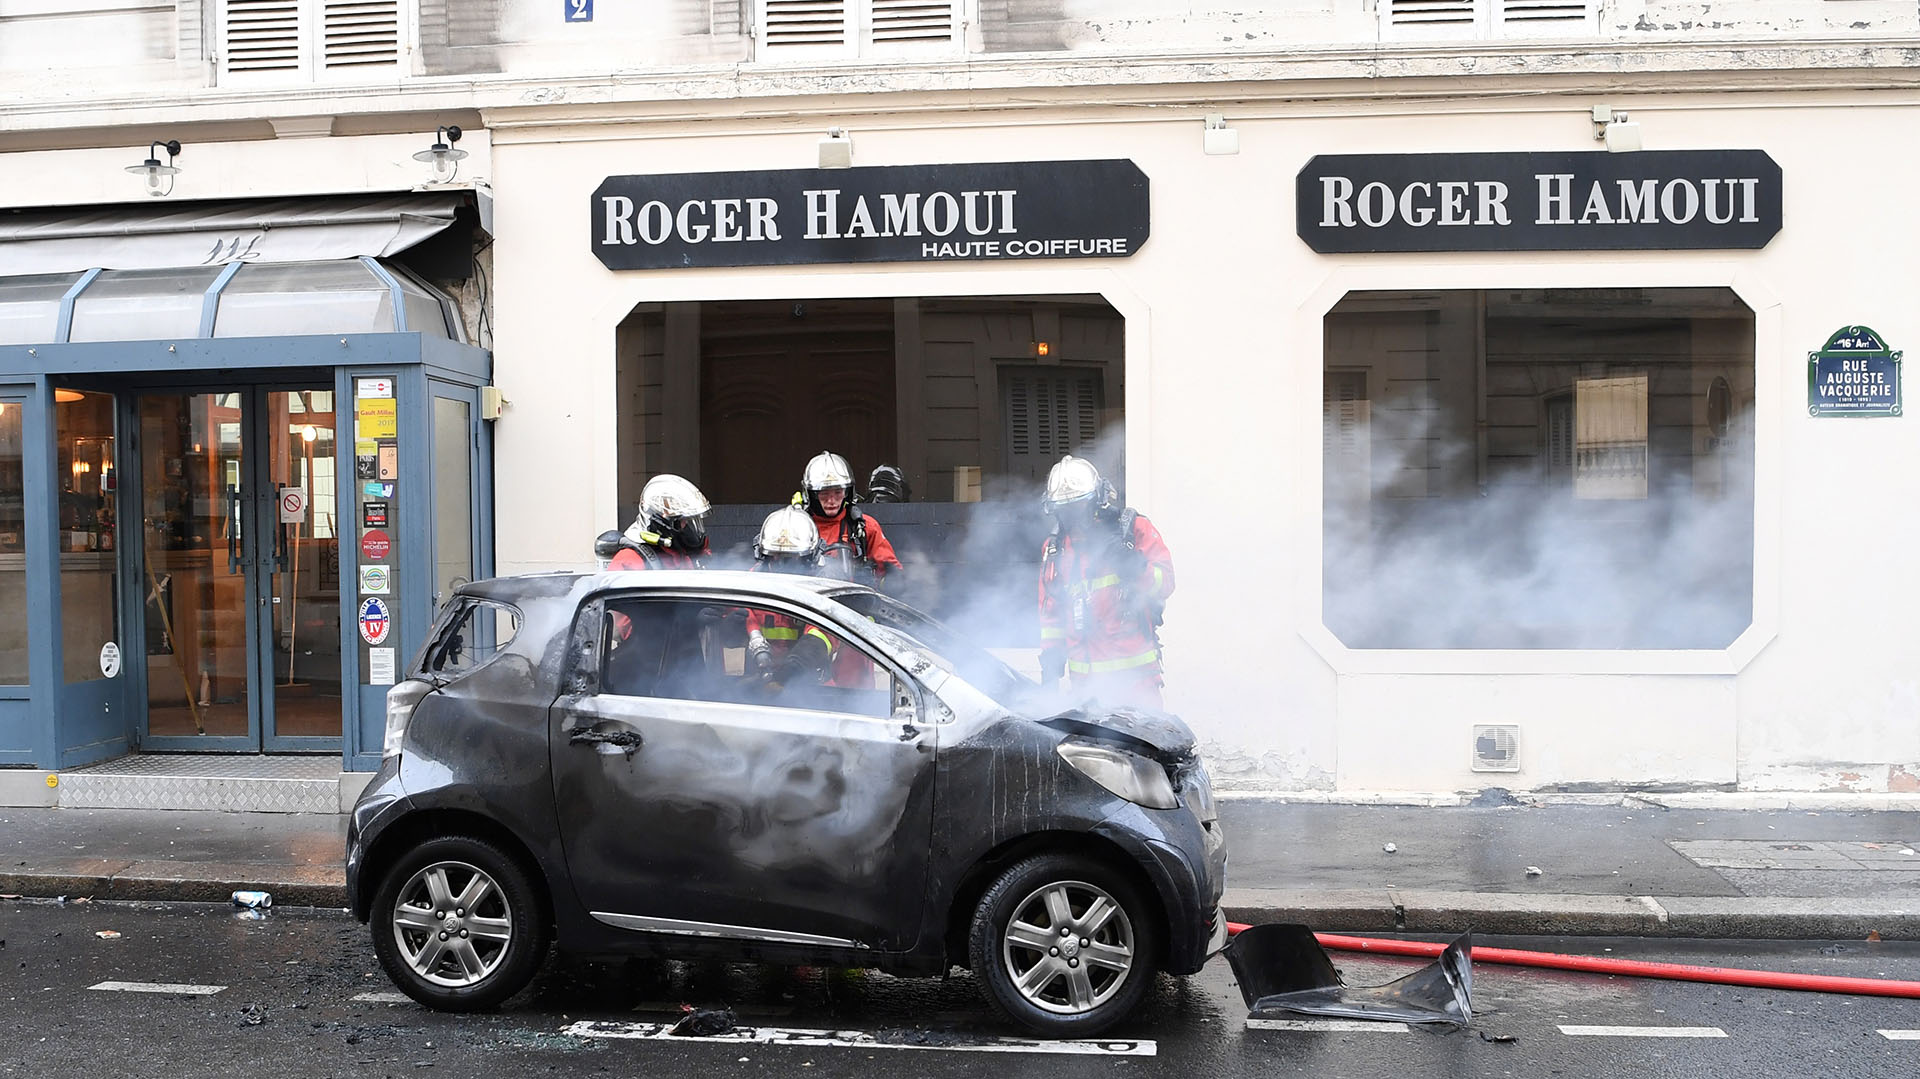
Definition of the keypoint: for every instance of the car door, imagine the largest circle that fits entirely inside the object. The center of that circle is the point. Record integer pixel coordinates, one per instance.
(694, 799)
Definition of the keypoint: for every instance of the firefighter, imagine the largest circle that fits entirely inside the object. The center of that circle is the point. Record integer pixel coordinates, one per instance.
(888, 484)
(669, 532)
(855, 547)
(783, 650)
(1105, 575)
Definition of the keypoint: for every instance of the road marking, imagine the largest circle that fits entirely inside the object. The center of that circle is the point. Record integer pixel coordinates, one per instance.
(860, 1039)
(1901, 1035)
(1328, 1025)
(159, 987)
(1645, 1032)
(384, 998)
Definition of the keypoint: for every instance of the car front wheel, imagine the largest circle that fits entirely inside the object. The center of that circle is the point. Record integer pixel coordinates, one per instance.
(1063, 945)
(457, 926)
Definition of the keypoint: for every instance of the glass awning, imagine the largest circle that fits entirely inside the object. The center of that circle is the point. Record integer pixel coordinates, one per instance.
(241, 299)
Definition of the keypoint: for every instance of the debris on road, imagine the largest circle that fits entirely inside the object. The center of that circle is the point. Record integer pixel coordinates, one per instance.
(703, 1022)
(1389, 848)
(1503, 1039)
(253, 900)
(253, 1015)
(1282, 968)
(107, 934)
(1533, 871)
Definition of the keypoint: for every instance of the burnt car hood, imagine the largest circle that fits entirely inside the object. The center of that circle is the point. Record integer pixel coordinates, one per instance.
(1163, 737)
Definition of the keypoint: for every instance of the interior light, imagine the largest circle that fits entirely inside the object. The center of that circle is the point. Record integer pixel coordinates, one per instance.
(1041, 348)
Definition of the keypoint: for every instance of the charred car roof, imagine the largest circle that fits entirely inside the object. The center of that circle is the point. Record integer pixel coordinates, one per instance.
(793, 587)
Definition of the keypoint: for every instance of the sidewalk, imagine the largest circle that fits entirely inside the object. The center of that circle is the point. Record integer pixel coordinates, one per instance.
(1632, 869)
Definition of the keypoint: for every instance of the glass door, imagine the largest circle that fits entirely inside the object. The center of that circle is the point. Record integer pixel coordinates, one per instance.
(239, 570)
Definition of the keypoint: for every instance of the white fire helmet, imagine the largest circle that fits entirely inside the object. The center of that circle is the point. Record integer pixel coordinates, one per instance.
(825, 470)
(788, 534)
(673, 509)
(1075, 479)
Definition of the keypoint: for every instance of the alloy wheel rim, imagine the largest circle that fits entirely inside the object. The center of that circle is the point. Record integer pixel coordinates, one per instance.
(1068, 947)
(452, 923)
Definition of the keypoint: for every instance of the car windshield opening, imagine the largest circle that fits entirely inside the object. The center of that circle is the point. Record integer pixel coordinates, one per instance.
(942, 647)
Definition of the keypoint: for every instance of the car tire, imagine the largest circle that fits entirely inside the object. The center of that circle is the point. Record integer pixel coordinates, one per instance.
(1075, 984)
(457, 925)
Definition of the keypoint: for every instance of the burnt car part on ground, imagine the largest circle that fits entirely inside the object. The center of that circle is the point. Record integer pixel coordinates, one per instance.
(593, 762)
(1282, 969)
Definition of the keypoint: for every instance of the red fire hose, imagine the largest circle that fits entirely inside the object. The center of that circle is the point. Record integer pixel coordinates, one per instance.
(1757, 979)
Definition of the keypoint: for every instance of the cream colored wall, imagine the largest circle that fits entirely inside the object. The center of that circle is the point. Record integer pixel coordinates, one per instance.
(1223, 309)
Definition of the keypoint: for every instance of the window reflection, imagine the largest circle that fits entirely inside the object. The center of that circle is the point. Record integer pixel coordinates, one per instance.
(84, 439)
(13, 545)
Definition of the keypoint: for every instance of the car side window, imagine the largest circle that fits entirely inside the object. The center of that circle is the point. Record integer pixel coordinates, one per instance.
(690, 650)
(470, 638)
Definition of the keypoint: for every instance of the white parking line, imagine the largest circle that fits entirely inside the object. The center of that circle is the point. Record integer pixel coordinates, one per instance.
(1901, 1035)
(384, 998)
(1644, 1032)
(159, 987)
(860, 1039)
(1342, 1025)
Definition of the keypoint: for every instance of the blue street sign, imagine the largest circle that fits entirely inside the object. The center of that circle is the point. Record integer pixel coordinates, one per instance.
(578, 10)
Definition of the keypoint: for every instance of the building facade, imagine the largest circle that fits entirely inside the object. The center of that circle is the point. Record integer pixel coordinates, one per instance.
(1487, 456)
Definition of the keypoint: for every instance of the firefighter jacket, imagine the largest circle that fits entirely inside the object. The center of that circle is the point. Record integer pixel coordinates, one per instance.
(655, 556)
(861, 541)
(1101, 594)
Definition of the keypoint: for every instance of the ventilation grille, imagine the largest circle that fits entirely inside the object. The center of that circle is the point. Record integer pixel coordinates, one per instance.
(1414, 13)
(1496, 748)
(361, 34)
(1570, 14)
(263, 35)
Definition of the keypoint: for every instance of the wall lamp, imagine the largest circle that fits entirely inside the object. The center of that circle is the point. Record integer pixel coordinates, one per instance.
(1613, 128)
(1218, 138)
(442, 155)
(154, 170)
(836, 150)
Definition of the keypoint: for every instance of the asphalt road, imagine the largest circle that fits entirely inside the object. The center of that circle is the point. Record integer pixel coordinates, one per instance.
(285, 995)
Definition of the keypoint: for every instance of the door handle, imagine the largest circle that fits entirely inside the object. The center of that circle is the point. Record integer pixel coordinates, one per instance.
(233, 529)
(625, 741)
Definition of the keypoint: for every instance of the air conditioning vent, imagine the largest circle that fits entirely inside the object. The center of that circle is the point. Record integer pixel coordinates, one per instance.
(1496, 748)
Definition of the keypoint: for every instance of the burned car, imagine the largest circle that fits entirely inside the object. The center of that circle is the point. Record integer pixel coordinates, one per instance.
(600, 763)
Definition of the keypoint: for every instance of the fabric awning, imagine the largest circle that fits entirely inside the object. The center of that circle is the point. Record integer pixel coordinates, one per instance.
(148, 236)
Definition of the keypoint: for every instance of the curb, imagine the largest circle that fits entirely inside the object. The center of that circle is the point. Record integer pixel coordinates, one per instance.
(1359, 911)
(1703, 917)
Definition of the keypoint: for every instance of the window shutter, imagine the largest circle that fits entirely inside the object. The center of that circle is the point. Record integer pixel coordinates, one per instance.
(1047, 412)
(813, 25)
(261, 35)
(1546, 18)
(360, 34)
(910, 22)
(1401, 19)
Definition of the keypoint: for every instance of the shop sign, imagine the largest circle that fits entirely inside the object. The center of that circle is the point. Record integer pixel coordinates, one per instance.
(375, 545)
(1670, 200)
(376, 417)
(110, 659)
(1856, 374)
(373, 515)
(894, 213)
(375, 620)
(374, 580)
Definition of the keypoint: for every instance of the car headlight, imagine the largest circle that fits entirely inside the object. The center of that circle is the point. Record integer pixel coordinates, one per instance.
(1129, 775)
(400, 702)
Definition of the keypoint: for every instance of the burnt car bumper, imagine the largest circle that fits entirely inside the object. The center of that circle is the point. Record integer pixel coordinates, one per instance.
(1186, 858)
(383, 802)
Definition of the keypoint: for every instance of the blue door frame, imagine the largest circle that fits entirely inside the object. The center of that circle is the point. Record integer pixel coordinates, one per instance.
(51, 725)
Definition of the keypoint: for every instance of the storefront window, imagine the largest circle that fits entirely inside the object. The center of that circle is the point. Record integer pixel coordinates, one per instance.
(1538, 468)
(88, 574)
(13, 545)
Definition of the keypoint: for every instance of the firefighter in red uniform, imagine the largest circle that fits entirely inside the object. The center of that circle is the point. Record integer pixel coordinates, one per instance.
(856, 549)
(1105, 575)
(669, 532)
(781, 649)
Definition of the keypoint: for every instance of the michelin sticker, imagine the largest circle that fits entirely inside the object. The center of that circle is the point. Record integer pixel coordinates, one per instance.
(375, 620)
(374, 580)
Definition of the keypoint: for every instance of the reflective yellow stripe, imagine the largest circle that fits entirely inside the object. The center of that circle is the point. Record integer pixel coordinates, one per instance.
(773, 633)
(1159, 579)
(814, 631)
(1107, 665)
(1052, 633)
(1094, 585)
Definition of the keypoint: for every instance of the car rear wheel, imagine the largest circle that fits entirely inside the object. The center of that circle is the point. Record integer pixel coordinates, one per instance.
(457, 926)
(1063, 945)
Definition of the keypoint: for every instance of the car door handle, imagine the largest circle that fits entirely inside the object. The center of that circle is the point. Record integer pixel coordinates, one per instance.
(625, 741)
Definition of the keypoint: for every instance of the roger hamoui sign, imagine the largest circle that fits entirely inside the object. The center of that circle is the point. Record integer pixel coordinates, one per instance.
(1563, 201)
(899, 213)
